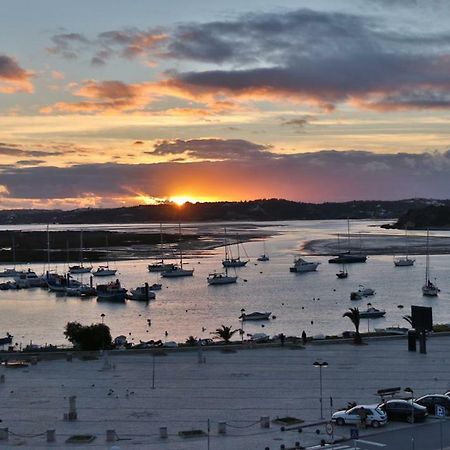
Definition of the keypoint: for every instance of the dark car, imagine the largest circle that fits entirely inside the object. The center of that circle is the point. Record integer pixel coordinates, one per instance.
(398, 409)
(432, 400)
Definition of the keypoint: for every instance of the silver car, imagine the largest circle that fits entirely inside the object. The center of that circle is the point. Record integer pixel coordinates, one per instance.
(375, 417)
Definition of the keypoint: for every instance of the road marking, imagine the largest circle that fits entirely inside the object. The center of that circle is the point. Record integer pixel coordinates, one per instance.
(377, 444)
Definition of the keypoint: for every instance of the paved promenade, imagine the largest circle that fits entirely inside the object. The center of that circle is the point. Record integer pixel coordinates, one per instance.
(236, 388)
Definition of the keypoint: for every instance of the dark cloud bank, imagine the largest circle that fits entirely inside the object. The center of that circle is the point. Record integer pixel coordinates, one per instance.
(323, 176)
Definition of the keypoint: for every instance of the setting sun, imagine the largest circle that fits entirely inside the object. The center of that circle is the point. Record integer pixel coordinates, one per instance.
(180, 200)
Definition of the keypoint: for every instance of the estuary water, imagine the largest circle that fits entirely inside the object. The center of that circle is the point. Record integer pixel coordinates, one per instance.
(314, 302)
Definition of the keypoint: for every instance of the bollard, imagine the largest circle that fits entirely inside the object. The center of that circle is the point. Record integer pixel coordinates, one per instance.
(265, 422)
(4, 434)
(2, 378)
(222, 428)
(111, 436)
(163, 432)
(72, 408)
(51, 436)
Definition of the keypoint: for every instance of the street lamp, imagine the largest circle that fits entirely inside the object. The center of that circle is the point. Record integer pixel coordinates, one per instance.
(103, 318)
(320, 365)
(408, 389)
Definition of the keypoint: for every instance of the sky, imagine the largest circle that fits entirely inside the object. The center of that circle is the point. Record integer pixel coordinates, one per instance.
(107, 103)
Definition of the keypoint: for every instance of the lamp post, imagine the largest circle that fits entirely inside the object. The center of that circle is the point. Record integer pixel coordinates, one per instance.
(241, 332)
(409, 390)
(320, 365)
(103, 318)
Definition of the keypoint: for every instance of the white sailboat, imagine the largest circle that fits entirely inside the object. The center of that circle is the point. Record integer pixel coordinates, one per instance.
(104, 270)
(77, 269)
(230, 261)
(264, 256)
(429, 289)
(404, 261)
(215, 278)
(160, 266)
(177, 271)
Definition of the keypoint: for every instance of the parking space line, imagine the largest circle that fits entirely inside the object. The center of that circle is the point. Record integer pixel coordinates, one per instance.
(377, 444)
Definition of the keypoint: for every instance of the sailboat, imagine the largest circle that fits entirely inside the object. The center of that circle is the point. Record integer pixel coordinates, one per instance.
(7, 272)
(80, 268)
(104, 270)
(229, 261)
(177, 271)
(404, 261)
(429, 289)
(160, 266)
(348, 257)
(343, 272)
(264, 256)
(215, 278)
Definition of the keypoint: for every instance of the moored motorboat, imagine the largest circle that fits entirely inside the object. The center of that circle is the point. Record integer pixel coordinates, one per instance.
(112, 292)
(365, 292)
(301, 265)
(141, 293)
(372, 313)
(10, 273)
(29, 279)
(255, 316)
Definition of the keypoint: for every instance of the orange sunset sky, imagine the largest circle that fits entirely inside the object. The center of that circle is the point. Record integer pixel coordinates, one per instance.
(137, 102)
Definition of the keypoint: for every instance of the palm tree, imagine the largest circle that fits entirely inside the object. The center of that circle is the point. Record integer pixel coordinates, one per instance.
(408, 318)
(225, 333)
(353, 315)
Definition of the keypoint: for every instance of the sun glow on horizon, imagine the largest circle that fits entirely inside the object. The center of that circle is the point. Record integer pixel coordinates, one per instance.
(180, 200)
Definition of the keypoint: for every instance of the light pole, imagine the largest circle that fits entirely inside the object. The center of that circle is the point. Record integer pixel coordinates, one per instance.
(408, 389)
(241, 332)
(320, 365)
(103, 318)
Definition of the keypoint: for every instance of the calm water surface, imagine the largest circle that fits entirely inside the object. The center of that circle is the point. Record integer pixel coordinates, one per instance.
(313, 302)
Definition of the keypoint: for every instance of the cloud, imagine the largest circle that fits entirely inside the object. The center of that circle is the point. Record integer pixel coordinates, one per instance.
(14, 78)
(211, 149)
(30, 162)
(326, 175)
(105, 96)
(298, 123)
(14, 150)
(322, 59)
(68, 45)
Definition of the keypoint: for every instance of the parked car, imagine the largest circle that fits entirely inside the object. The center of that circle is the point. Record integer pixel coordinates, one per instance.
(398, 409)
(375, 416)
(432, 400)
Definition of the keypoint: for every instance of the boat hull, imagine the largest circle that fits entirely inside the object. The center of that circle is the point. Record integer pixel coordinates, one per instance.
(177, 273)
(217, 280)
(255, 316)
(309, 267)
(233, 263)
(348, 259)
(105, 273)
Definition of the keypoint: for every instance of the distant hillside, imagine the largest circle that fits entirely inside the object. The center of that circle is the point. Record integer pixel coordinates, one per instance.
(257, 210)
(431, 216)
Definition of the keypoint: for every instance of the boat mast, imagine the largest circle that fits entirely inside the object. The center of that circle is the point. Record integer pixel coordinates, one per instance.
(179, 245)
(427, 260)
(48, 248)
(226, 251)
(348, 233)
(13, 248)
(161, 243)
(107, 250)
(81, 248)
(406, 242)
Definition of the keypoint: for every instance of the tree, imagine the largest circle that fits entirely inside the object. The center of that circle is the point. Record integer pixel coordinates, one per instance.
(225, 333)
(353, 315)
(191, 341)
(96, 336)
(408, 318)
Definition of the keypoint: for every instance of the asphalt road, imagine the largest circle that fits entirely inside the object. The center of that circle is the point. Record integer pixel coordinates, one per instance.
(432, 435)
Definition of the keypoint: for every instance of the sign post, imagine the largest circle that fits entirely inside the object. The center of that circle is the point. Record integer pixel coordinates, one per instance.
(441, 412)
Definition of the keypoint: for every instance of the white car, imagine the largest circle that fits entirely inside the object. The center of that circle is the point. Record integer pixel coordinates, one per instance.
(375, 416)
